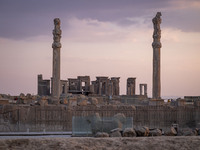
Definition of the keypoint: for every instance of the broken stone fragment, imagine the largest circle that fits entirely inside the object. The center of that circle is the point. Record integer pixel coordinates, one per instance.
(190, 132)
(43, 101)
(142, 131)
(102, 134)
(129, 132)
(93, 101)
(155, 132)
(171, 132)
(116, 132)
(82, 103)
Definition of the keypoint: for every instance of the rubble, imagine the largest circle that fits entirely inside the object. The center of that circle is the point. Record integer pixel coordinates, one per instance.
(116, 132)
(171, 132)
(142, 131)
(155, 132)
(129, 132)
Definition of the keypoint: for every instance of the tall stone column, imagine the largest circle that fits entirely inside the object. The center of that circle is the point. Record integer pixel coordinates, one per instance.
(156, 92)
(56, 59)
(130, 86)
(141, 90)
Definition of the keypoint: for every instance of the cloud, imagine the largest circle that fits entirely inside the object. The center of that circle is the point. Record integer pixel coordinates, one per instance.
(24, 18)
(185, 4)
(90, 30)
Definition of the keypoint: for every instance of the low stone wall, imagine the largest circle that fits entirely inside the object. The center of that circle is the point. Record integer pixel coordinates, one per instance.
(164, 116)
(59, 117)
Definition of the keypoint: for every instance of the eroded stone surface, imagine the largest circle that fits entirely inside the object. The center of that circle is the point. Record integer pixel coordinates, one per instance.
(156, 56)
(56, 59)
(129, 132)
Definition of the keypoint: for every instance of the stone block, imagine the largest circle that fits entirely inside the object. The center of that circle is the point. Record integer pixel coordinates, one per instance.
(190, 132)
(171, 132)
(101, 134)
(155, 132)
(142, 131)
(83, 103)
(93, 101)
(116, 132)
(129, 132)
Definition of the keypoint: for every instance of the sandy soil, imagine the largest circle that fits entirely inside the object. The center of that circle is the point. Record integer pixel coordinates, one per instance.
(138, 143)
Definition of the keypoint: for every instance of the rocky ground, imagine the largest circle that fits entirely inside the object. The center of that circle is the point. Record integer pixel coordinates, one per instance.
(138, 143)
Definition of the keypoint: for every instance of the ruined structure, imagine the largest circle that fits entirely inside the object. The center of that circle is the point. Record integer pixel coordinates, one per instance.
(55, 88)
(143, 86)
(81, 85)
(43, 86)
(114, 83)
(64, 87)
(106, 86)
(140, 109)
(130, 87)
(59, 118)
(156, 56)
(102, 86)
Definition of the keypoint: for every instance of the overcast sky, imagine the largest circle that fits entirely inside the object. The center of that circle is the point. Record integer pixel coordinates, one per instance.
(100, 38)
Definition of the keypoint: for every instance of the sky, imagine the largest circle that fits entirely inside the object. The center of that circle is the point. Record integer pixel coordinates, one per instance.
(100, 38)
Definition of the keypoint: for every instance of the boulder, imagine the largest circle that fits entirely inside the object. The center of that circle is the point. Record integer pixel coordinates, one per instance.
(142, 131)
(102, 134)
(198, 131)
(129, 132)
(43, 101)
(93, 101)
(190, 132)
(28, 96)
(171, 132)
(64, 101)
(180, 132)
(22, 96)
(34, 97)
(82, 103)
(81, 98)
(116, 132)
(155, 132)
(72, 103)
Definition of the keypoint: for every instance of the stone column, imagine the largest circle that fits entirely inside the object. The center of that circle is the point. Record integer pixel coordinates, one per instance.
(130, 86)
(156, 92)
(110, 89)
(143, 86)
(141, 91)
(115, 84)
(56, 59)
(145, 89)
(100, 88)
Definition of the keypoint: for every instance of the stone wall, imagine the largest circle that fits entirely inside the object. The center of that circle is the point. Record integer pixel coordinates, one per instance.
(43, 86)
(59, 118)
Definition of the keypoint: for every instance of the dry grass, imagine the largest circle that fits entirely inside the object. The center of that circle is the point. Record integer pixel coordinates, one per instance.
(138, 143)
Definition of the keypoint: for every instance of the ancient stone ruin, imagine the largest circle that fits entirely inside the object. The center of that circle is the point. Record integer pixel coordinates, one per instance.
(55, 91)
(130, 90)
(156, 56)
(102, 86)
(79, 103)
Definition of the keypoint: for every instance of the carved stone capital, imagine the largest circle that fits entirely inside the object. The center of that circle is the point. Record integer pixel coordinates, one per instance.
(56, 45)
(156, 45)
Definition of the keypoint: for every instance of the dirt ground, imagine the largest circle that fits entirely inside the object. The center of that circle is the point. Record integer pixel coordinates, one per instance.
(74, 143)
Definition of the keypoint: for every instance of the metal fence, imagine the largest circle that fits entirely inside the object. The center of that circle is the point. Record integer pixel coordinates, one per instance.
(88, 125)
